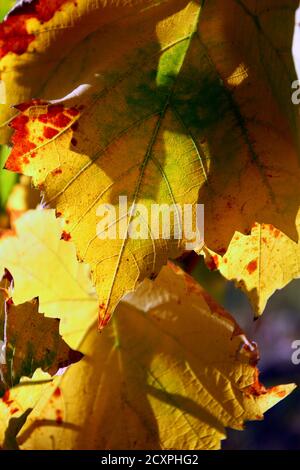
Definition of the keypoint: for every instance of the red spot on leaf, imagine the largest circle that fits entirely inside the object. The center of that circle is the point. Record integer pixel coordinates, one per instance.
(73, 112)
(6, 398)
(257, 388)
(49, 132)
(57, 392)
(213, 263)
(23, 106)
(61, 120)
(65, 236)
(57, 171)
(14, 36)
(104, 316)
(281, 393)
(22, 144)
(55, 109)
(55, 116)
(252, 266)
(14, 410)
(74, 126)
(59, 417)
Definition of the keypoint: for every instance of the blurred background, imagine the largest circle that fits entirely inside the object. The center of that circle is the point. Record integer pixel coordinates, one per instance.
(274, 332)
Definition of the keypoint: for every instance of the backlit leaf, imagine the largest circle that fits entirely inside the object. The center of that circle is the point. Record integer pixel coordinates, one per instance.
(178, 102)
(31, 342)
(259, 263)
(45, 266)
(17, 403)
(171, 371)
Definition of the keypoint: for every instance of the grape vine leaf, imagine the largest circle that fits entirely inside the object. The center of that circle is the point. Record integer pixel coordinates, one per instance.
(259, 263)
(45, 266)
(32, 342)
(190, 88)
(17, 403)
(173, 385)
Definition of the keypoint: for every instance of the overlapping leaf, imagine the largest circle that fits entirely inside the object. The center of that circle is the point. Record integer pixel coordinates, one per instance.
(183, 92)
(45, 266)
(17, 403)
(166, 367)
(259, 263)
(31, 342)
(173, 385)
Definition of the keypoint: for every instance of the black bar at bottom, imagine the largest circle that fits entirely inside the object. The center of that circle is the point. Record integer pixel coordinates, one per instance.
(134, 459)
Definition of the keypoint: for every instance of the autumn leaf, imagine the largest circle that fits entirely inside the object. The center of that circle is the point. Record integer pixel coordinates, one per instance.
(31, 342)
(45, 266)
(173, 385)
(184, 92)
(16, 404)
(259, 263)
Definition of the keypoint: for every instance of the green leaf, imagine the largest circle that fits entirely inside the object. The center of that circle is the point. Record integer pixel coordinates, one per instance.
(5, 6)
(7, 178)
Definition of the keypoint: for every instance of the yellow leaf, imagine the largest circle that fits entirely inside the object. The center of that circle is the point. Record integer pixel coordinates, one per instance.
(31, 342)
(171, 372)
(22, 198)
(17, 403)
(174, 101)
(259, 263)
(45, 266)
(249, 46)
